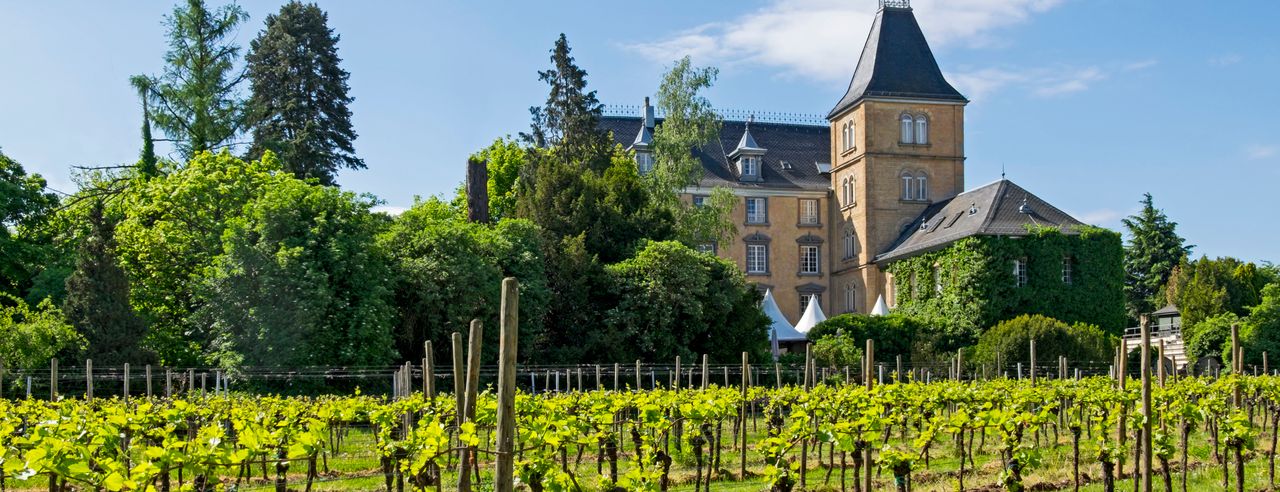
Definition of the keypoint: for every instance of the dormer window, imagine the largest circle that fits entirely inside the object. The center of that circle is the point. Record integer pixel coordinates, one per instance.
(750, 166)
(644, 162)
(748, 155)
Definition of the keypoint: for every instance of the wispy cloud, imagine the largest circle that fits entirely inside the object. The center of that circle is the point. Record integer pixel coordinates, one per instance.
(820, 39)
(1259, 152)
(1140, 65)
(1226, 59)
(1102, 217)
(1038, 81)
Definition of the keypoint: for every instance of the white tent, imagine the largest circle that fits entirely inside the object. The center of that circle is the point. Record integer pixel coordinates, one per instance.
(779, 328)
(812, 316)
(881, 308)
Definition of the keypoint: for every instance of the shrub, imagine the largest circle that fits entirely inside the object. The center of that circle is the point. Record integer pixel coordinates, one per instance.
(1207, 337)
(836, 351)
(893, 334)
(1011, 340)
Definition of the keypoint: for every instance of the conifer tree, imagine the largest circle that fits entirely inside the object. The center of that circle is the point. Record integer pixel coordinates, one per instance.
(569, 121)
(97, 302)
(195, 101)
(299, 103)
(1154, 250)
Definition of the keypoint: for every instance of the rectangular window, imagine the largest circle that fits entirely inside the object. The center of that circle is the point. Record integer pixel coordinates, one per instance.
(757, 258)
(937, 279)
(1020, 272)
(750, 166)
(809, 259)
(907, 188)
(809, 212)
(709, 248)
(1066, 270)
(805, 299)
(922, 188)
(699, 200)
(756, 211)
(644, 161)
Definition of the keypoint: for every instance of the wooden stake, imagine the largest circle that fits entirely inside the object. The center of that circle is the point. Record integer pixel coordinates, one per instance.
(742, 425)
(459, 380)
(869, 359)
(1033, 361)
(504, 470)
(148, 371)
(639, 382)
(1145, 360)
(473, 382)
(53, 379)
(1237, 365)
(126, 382)
(676, 383)
(88, 379)
(706, 379)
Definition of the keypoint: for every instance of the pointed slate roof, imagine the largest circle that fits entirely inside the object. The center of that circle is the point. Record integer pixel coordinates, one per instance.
(896, 62)
(1001, 208)
(780, 327)
(812, 316)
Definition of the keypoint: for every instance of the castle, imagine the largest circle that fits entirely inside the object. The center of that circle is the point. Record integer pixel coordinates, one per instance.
(827, 210)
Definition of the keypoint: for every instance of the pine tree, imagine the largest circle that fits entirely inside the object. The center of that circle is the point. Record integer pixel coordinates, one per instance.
(148, 164)
(97, 302)
(299, 103)
(195, 101)
(569, 121)
(1153, 252)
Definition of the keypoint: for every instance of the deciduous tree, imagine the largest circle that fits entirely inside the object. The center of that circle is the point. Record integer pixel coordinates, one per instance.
(97, 303)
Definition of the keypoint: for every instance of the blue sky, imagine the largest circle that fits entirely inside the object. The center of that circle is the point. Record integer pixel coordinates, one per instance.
(1088, 103)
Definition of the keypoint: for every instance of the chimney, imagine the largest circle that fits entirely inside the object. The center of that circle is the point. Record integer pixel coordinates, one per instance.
(477, 191)
(648, 114)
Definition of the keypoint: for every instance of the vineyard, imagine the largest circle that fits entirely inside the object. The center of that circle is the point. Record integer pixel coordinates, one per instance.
(998, 434)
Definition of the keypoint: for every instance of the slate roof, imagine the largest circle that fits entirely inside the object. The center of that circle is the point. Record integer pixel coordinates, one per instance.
(896, 62)
(801, 146)
(1001, 208)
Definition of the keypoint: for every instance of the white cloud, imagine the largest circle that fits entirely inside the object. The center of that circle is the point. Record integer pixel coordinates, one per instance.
(1039, 81)
(391, 210)
(1140, 65)
(1101, 217)
(1258, 152)
(822, 39)
(1073, 81)
(1226, 59)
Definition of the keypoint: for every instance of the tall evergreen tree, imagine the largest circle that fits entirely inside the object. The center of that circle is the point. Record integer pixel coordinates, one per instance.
(97, 302)
(195, 101)
(299, 105)
(569, 121)
(1154, 250)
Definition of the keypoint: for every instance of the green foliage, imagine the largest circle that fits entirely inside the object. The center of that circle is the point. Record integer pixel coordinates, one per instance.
(893, 334)
(448, 271)
(1011, 341)
(171, 234)
(195, 102)
(1261, 331)
(24, 207)
(301, 282)
(1207, 337)
(504, 159)
(299, 102)
(839, 350)
(568, 124)
(1207, 287)
(30, 337)
(97, 301)
(1153, 252)
(671, 300)
(979, 289)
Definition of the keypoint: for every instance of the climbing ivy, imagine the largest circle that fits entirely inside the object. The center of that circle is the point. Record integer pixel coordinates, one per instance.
(978, 287)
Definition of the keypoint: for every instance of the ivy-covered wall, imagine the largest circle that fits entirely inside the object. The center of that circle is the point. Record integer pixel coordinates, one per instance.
(979, 289)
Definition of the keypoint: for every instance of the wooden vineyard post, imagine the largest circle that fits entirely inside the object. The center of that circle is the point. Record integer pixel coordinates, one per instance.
(473, 382)
(675, 385)
(599, 382)
(1146, 403)
(428, 371)
(639, 382)
(126, 382)
(1033, 361)
(617, 371)
(1237, 365)
(53, 379)
(742, 425)
(504, 470)
(168, 382)
(459, 382)
(1160, 364)
(1265, 370)
(191, 382)
(869, 359)
(777, 375)
(148, 371)
(899, 361)
(808, 376)
(706, 378)
(959, 364)
(88, 379)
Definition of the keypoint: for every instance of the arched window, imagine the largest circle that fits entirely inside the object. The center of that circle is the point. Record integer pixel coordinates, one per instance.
(922, 186)
(844, 190)
(850, 243)
(908, 124)
(922, 129)
(850, 297)
(908, 187)
(844, 137)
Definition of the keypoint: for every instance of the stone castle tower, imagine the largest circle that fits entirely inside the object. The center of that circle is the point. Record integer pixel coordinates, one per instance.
(897, 146)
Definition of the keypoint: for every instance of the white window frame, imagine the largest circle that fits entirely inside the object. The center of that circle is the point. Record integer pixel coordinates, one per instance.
(1067, 270)
(810, 259)
(761, 213)
(750, 166)
(937, 279)
(922, 187)
(757, 258)
(709, 248)
(922, 130)
(907, 129)
(809, 211)
(845, 190)
(908, 187)
(1020, 272)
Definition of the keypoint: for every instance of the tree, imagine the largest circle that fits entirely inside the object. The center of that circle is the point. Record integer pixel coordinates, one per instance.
(1153, 251)
(97, 303)
(504, 160)
(25, 205)
(569, 121)
(689, 123)
(170, 235)
(302, 282)
(1010, 341)
(30, 337)
(195, 101)
(838, 350)
(670, 300)
(1261, 332)
(1207, 337)
(299, 103)
(894, 335)
(1207, 287)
